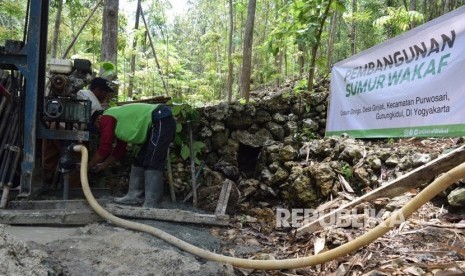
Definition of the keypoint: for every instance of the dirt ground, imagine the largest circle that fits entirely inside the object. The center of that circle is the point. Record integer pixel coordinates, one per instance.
(431, 242)
(102, 249)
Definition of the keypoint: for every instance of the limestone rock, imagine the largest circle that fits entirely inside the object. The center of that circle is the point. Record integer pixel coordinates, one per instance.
(276, 130)
(325, 177)
(279, 176)
(457, 197)
(287, 153)
(255, 140)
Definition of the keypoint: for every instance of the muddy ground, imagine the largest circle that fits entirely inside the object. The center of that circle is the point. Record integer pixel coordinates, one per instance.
(103, 249)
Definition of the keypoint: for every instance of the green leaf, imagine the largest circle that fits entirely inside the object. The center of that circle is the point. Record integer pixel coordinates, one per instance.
(185, 152)
(299, 4)
(198, 146)
(338, 6)
(178, 139)
(176, 110)
(178, 127)
(107, 66)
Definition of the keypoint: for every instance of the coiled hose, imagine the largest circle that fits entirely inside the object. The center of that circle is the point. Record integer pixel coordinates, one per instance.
(438, 185)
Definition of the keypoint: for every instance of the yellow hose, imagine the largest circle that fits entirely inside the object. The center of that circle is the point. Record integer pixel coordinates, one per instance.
(424, 196)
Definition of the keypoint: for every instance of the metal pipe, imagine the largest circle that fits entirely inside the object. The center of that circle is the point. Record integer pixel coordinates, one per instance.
(5, 118)
(3, 102)
(7, 158)
(8, 134)
(17, 151)
(8, 168)
(5, 194)
(66, 185)
(7, 187)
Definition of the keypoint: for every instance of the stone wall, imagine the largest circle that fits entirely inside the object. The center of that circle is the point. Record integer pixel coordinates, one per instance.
(274, 152)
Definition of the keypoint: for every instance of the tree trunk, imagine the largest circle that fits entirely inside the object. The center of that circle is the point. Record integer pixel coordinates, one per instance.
(230, 50)
(286, 72)
(424, 9)
(432, 10)
(332, 33)
(278, 63)
(109, 48)
(301, 59)
(133, 55)
(241, 26)
(413, 7)
(446, 6)
(405, 4)
(56, 29)
(311, 73)
(353, 31)
(247, 51)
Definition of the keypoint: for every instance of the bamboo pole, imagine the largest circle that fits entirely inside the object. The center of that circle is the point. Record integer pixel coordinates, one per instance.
(80, 30)
(160, 72)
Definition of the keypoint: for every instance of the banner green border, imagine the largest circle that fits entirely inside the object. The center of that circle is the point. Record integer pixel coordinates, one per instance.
(414, 131)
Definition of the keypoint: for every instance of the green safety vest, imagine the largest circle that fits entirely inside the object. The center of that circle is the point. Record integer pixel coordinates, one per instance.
(132, 121)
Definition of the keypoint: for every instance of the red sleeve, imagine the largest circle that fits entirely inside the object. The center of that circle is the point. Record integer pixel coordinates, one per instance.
(120, 149)
(107, 137)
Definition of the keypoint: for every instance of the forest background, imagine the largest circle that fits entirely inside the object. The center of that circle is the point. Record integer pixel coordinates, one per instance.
(218, 50)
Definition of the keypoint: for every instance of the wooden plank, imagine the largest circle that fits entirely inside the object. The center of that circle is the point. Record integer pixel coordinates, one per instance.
(224, 197)
(411, 180)
(75, 204)
(167, 215)
(78, 212)
(48, 217)
(153, 100)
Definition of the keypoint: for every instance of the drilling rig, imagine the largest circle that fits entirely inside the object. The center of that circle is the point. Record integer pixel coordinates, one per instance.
(41, 105)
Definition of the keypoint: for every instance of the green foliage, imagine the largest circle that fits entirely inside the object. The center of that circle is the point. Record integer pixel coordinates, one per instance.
(243, 101)
(184, 112)
(192, 48)
(300, 86)
(108, 70)
(299, 22)
(398, 19)
(390, 141)
(12, 14)
(307, 134)
(197, 149)
(186, 116)
(347, 171)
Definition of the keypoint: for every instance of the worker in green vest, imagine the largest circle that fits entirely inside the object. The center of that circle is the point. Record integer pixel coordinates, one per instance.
(151, 126)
